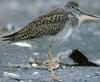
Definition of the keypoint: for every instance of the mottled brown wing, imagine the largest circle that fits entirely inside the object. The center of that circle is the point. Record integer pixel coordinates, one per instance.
(49, 24)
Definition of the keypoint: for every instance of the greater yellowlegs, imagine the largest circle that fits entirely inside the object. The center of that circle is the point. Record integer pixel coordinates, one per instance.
(53, 27)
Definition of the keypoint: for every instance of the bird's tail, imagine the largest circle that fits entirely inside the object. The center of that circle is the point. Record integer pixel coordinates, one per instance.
(9, 38)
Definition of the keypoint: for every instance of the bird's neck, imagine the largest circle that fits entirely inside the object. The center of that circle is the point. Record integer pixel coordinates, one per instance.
(73, 19)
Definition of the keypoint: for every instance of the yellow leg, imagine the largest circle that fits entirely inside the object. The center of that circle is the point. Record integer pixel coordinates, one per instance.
(53, 75)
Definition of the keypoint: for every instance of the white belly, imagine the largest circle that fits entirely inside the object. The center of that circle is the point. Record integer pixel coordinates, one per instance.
(61, 36)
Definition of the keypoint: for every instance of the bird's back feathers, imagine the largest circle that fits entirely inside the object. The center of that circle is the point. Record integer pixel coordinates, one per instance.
(49, 24)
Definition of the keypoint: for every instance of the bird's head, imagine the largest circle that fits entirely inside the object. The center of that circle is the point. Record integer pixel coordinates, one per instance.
(73, 7)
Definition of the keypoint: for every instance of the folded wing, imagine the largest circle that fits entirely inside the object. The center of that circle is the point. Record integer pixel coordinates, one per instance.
(46, 25)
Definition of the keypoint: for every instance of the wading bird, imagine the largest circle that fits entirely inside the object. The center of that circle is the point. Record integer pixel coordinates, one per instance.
(54, 27)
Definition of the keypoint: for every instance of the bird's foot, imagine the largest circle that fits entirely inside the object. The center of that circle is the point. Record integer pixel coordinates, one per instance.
(55, 78)
(53, 75)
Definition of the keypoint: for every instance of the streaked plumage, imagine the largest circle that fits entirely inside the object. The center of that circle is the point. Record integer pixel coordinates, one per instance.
(50, 25)
(55, 26)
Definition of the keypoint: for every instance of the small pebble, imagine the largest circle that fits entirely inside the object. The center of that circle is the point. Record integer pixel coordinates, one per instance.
(36, 53)
(23, 44)
(12, 75)
(35, 73)
(88, 75)
(34, 65)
